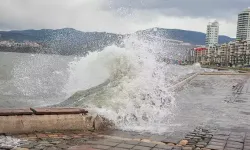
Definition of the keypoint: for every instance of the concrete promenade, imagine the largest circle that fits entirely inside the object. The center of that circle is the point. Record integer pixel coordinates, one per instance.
(229, 105)
(198, 139)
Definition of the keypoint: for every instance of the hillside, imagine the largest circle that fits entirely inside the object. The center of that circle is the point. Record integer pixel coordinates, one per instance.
(69, 41)
(192, 37)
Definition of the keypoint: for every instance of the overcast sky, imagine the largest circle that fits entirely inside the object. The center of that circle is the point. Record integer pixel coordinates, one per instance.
(120, 16)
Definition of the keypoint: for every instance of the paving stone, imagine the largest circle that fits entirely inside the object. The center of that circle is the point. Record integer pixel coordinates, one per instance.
(157, 138)
(218, 141)
(81, 147)
(114, 140)
(132, 142)
(220, 137)
(18, 148)
(234, 143)
(202, 143)
(157, 149)
(147, 144)
(40, 147)
(171, 140)
(217, 144)
(31, 145)
(215, 147)
(208, 136)
(141, 148)
(241, 140)
(223, 133)
(51, 148)
(246, 147)
(243, 134)
(107, 143)
(205, 149)
(231, 148)
(122, 145)
(101, 146)
(117, 148)
(187, 148)
(62, 146)
(177, 148)
(55, 142)
(167, 147)
(239, 146)
(200, 146)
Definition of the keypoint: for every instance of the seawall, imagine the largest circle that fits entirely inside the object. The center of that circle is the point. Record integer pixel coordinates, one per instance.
(47, 119)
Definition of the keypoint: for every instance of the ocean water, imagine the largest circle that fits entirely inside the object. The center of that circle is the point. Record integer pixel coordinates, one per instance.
(137, 96)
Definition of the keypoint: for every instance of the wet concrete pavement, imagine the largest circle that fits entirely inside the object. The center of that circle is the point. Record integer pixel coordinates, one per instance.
(220, 101)
(198, 139)
(219, 105)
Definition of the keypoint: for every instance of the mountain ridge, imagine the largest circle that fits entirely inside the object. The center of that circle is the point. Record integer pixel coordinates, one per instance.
(68, 41)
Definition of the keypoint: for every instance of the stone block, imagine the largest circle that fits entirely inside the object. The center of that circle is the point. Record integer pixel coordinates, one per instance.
(101, 146)
(183, 142)
(187, 148)
(234, 143)
(56, 111)
(177, 148)
(107, 143)
(241, 140)
(166, 147)
(117, 148)
(146, 144)
(132, 142)
(243, 134)
(141, 148)
(227, 133)
(81, 147)
(220, 137)
(128, 146)
(231, 148)
(171, 140)
(114, 140)
(15, 112)
(238, 146)
(215, 147)
(217, 143)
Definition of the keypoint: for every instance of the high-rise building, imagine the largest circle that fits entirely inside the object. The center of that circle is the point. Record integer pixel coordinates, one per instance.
(212, 36)
(243, 25)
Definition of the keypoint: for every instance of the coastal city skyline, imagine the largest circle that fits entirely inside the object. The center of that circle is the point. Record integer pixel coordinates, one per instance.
(236, 52)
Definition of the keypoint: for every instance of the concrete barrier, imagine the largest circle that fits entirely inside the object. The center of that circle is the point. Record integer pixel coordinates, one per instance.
(183, 82)
(18, 121)
(36, 123)
(223, 73)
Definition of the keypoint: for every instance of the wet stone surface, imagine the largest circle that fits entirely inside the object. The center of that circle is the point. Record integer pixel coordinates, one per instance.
(199, 139)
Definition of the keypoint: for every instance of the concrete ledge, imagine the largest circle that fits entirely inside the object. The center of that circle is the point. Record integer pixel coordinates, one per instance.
(57, 111)
(48, 119)
(14, 112)
(34, 123)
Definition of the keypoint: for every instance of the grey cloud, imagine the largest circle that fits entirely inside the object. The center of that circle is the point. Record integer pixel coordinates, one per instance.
(119, 16)
(192, 8)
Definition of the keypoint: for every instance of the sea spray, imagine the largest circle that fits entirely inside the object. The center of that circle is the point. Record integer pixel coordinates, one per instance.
(137, 97)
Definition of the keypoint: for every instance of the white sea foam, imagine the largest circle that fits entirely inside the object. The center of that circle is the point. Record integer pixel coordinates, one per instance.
(137, 97)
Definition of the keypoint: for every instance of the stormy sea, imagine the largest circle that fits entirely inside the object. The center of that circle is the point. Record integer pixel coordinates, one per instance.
(130, 85)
